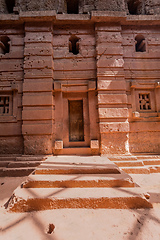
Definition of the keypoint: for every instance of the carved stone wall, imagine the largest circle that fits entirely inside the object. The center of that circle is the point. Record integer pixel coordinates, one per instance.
(107, 61)
(136, 7)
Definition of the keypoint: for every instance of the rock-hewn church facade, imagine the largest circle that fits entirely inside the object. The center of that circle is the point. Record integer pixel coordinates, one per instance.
(79, 76)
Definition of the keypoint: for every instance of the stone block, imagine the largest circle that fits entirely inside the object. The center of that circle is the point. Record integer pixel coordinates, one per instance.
(144, 142)
(111, 85)
(112, 98)
(37, 63)
(113, 112)
(37, 128)
(110, 62)
(38, 37)
(114, 127)
(37, 100)
(37, 114)
(74, 64)
(38, 86)
(114, 143)
(94, 144)
(41, 144)
(74, 75)
(58, 144)
(38, 50)
(39, 73)
(109, 37)
(136, 115)
(11, 145)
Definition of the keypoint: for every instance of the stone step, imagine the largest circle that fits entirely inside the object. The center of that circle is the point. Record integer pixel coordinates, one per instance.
(31, 158)
(148, 156)
(154, 169)
(25, 164)
(15, 172)
(4, 163)
(128, 163)
(142, 170)
(79, 181)
(7, 158)
(79, 151)
(121, 157)
(59, 169)
(77, 165)
(136, 170)
(151, 162)
(24, 200)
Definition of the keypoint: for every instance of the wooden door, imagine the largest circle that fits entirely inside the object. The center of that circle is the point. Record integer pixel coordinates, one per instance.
(76, 122)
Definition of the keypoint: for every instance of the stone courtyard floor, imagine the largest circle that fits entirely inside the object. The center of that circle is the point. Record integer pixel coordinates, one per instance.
(86, 224)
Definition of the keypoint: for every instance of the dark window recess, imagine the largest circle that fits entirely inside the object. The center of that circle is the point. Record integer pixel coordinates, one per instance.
(72, 6)
(4, 45)
(10, 5)
(74, 45)
(144, 101)
(140, 43)
(133, 6)
(4, 105)
(76, 124)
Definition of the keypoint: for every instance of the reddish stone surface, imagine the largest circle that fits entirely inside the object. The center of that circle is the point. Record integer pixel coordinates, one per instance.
(109, 69)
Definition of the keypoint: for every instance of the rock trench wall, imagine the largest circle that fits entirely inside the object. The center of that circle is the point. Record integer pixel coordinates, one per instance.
(150, 7)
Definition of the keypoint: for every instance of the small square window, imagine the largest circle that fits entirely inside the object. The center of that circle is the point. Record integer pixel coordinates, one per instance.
(5, 105)
(144, 101)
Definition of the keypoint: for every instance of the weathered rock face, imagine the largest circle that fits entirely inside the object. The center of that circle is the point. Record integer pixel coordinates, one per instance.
(3, 7)
(135, 7)
(37, 5)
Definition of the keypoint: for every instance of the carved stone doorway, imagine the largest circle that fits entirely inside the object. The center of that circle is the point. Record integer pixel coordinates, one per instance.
(76, 126)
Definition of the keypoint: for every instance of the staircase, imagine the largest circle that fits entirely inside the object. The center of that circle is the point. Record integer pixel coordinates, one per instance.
(18, 165)
(77, 182)
(137, 164)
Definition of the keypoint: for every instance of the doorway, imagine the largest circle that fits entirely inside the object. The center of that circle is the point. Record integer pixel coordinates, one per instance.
(76, 123)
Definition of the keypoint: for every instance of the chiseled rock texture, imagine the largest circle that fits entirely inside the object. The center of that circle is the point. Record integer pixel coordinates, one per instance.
(143, 6)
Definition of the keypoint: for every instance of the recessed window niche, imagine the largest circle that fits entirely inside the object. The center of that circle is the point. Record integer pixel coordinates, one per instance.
(10, 5)
(4, 45)
(72, 6)
(133, 6)
(140, 45)
(74, 45)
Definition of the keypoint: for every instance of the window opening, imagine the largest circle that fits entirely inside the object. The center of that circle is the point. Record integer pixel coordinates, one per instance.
(133, 6)
(10, 5)
(4, 45)
(76, 125)
(140, 43)
(4, 105)
(144, 101)
(74, 45)
(72, 6)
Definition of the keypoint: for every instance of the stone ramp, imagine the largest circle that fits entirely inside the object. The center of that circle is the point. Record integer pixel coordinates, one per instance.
(137, 164)
(77, 182)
